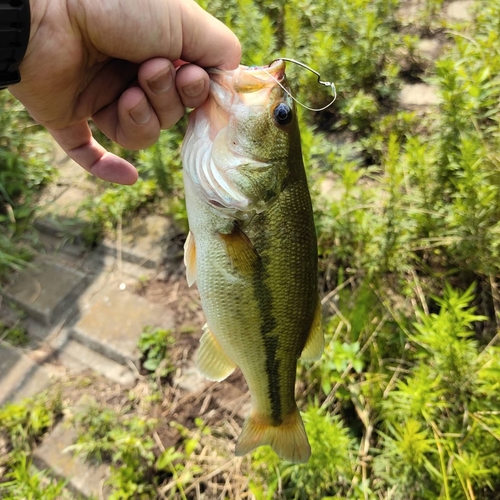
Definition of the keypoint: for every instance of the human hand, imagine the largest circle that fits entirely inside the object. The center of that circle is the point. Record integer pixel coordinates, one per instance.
(120, 63)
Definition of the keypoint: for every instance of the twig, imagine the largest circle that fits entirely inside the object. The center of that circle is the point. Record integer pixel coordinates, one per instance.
(206, 403)
(420, 292)
(158, 442)
(461, 35)
(371, 338)
(341, 316)
(210, 475)
(119, 247)
(336, 290)
(134, 369)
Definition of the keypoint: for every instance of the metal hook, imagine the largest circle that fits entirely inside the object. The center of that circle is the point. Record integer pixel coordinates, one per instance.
(326, 84)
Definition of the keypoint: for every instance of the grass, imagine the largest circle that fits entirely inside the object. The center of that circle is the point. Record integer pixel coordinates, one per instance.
(23, 426)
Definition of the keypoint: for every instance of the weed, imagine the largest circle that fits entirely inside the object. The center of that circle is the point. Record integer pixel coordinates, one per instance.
(24, 169)
(154, 344)
(105, 435)
(22, 483)
(328, 472)
(15, 334)
(25, 422)
(23, 425)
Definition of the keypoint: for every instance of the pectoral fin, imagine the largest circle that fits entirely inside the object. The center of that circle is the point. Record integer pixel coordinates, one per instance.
(211, 360)
(316, 340)
(240, 250)
(190, 259)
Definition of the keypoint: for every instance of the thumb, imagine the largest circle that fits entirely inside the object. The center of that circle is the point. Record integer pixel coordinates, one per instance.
(173, 29)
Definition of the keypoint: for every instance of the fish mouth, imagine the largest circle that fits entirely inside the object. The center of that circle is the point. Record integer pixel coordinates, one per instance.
(251, 85)
(251, 78)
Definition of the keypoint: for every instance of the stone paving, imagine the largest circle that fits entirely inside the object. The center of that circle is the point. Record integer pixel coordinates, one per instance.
(80, 307)
(81, 312)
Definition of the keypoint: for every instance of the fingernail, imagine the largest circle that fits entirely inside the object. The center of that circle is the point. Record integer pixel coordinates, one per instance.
(194, 89)
(141, 113)
(160, 83)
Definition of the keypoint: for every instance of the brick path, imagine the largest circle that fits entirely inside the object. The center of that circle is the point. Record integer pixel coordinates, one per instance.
(80, 312)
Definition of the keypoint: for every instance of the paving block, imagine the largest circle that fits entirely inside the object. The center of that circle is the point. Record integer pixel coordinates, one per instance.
(60, 216)
(65, 250)
(20, 376)
(14, 368)
(46, 290)
(460, 10)
(83, 478)
(418, 94)
(430, 48)
(144, 240)
(36, 382)
(78, 357)
(113, 319)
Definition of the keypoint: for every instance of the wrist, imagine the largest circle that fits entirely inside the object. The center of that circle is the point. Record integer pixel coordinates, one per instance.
(14, 37)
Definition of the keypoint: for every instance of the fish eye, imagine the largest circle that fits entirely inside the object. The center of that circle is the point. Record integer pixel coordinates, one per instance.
(283, 114)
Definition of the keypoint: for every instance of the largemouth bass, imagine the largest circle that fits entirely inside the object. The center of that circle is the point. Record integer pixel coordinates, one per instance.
(252, 248)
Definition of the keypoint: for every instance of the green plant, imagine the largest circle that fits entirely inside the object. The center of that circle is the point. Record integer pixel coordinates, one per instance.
(105, 435)
(25, 422)
(15, 334)
(139, 469)
(23, 425)
(24, 169)
(432, 442)
(24, 484)
(154, 344)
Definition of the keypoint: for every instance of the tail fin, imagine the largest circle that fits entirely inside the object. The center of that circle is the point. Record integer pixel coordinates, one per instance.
(288, 440)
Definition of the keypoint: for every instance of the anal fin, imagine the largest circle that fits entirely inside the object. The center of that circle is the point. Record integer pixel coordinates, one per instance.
(212, 362)
(190, 259)
(316, 340)
(288, 440)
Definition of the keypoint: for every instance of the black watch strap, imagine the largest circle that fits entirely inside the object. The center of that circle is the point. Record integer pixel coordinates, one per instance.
(14, 37)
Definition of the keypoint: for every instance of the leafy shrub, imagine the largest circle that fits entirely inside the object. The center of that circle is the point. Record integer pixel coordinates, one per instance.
(24, 169)
(434, 440)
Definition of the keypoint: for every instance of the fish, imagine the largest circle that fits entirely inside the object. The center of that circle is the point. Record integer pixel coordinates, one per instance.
(252, 248)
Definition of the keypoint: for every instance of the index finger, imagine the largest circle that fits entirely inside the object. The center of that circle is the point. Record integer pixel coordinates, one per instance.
(78, 143)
